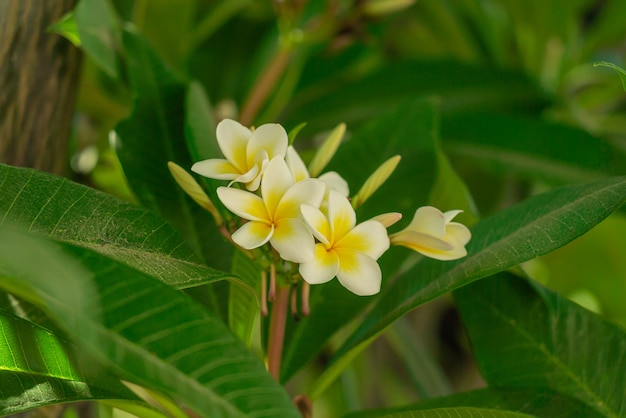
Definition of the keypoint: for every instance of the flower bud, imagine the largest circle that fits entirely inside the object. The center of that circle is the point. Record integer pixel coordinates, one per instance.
(326, 152)
(376, 180)
(193, 189)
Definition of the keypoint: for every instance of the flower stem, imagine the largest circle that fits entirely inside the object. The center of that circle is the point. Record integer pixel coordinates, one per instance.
(277, 331)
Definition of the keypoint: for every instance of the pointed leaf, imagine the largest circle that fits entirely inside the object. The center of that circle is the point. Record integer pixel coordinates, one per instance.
(526, 336)
(537, 226)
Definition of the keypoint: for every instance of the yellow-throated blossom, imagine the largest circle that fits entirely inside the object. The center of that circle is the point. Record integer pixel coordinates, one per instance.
(275, 216)
(332, 179)
(247, 153)
(344, 250)
(433, 234)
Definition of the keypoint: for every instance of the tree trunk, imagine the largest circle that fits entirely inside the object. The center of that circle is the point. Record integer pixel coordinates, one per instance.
(38, 82)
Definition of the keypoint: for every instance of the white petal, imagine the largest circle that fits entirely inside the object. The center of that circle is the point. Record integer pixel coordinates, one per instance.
(253, 235)
(322, 268)
(457, 233)
(216, 169)
(277, 180)
(333, 180)
(244, 204)
(306, 192)
(296, 165)
(317, 222)
(420, 242)
(449, 215)
(248, 177)
(369, 237)
(429, 220)
(233, 137)
(293, 241)
(270, 137)
(340, 215)
(359, 273)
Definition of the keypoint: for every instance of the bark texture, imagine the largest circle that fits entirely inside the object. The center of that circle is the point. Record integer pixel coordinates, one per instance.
(38, 82)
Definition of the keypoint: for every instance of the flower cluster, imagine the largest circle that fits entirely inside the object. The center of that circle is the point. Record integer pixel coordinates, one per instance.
(309, 220)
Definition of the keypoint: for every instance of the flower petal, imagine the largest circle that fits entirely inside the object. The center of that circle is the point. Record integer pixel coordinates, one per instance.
(333, 180)
(277, 180)
(420, 242)
(317, 222)
(248, 178)
(322, 268)
(306, 192)
(449, 215)
(369, 237)
(270, 137)
(428, 220)
(253, 234)
(457, 233)
(244, 204)
(340, 215)
(293, 241)
(359, 273)
(296, 165)
(216, 169)
(233, 138)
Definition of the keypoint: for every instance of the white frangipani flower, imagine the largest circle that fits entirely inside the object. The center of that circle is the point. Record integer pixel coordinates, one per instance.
(433, 234)
(247, 153)
(346, 250)
(275, 217)
(332, 179)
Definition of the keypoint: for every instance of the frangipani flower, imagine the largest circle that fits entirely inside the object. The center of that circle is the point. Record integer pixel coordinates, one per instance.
(433, 234)
(275, 217)
(345, 250)
(332, 179)
(247, 153)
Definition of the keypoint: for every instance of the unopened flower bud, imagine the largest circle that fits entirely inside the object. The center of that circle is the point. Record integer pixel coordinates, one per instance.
(193, 189)
(376, 180)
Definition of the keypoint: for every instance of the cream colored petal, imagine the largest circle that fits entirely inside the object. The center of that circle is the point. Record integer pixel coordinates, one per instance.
(333, 180)
(233, 138)
(449, 215)
(306, 192)
(457, 233)
(296, 165)
(253, 235)
(359, 273)
(418, 241)
(388, 219)
(317, 222)
(276, 181)
(428, 220)
(369, 237)
(341, 216)
(270, 137)
(293, 241)
(244, 204)
(216, 169)
(322, 268)
(248, 178)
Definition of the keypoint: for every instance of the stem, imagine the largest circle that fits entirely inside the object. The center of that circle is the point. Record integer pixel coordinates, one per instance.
(266, 82)
(277, 331)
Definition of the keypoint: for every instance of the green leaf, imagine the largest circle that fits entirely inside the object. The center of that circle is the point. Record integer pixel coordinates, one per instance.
(459, 411)
(100, 33)
(536, 149)
(154, 135)
(534, 227)
(526, 336)
(39, 368)
(72, 213)
(243, 305)
(620, 71)
(66, 27)
(541, 403)
(142, 329)
(409, 131)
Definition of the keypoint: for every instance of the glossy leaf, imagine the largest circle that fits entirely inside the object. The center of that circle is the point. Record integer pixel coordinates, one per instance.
(142, 329)
(536, 149)
(541, 403)
(620, 71)
(459, 411)
(72, 213)
(155, 134)
(526, 336)
(243, 304)
(534, 227)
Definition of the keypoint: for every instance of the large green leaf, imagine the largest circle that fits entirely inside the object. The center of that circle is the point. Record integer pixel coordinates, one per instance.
(154, 135)
(526, 336)
(141, 329)
(72, 213)
(411, 132)
(541, 403)
(39, 368)
(550, 152)
(459, 411)
(534, 227)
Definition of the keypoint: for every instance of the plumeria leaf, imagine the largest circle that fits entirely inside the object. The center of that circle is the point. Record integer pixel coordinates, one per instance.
(141, 329)
(243, 305)
(72, 213)
(459, 411)
(154, 135)
(620, 71)
(534, 227)
(541, 403)
(526, 336)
